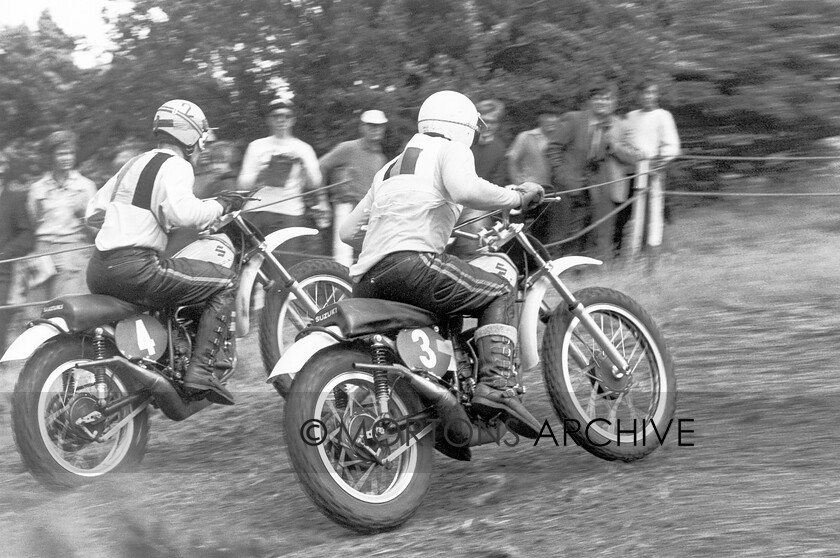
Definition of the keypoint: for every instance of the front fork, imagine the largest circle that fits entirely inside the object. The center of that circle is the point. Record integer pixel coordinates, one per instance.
(289, 283)
(620, 366)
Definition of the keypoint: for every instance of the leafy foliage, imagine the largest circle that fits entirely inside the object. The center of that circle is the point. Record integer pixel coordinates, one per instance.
(730, 68)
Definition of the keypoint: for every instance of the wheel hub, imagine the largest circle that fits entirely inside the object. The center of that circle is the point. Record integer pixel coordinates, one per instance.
(84, 417)
(603, 371)
(369, 438)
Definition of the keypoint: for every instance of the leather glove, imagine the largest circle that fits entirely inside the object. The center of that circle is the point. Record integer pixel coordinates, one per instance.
(231, 201)
(531, 195)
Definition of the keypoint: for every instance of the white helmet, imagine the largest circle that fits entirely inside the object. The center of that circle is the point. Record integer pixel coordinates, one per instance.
(183, 121)
(450, 114)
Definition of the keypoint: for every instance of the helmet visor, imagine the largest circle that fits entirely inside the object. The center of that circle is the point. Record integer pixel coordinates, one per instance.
(206, 137)
(480, 126)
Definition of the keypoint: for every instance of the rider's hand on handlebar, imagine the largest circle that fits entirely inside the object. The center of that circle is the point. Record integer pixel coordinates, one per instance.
(531, 195)
(231, 201)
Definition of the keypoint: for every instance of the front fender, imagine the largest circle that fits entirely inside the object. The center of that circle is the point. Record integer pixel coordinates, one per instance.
(248, 276)
(301, 351)
(32, 338)
(530, 317)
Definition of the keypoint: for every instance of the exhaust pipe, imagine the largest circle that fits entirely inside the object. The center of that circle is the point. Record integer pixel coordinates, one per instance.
(165, 396)
(459, 429)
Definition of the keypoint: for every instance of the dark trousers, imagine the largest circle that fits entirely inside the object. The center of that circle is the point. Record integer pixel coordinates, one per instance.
(621, 220)
(561, 220)
(140, 276)
(442, 284)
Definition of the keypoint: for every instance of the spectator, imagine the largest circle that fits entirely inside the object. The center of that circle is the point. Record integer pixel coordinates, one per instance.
(17, 237)
(218, 173)
(124, 155)
(655, 136)
(527, 162)
(283, 169)
(589, 147)
(526, 156)
(353, 164)
(491, 165)
(57, 204)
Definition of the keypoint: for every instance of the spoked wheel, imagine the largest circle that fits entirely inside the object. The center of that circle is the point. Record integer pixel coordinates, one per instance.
(284, 315)
(612, 417)
(63, 438)
(360, 470)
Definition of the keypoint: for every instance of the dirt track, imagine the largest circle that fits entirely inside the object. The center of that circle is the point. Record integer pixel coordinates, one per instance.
(747, 299)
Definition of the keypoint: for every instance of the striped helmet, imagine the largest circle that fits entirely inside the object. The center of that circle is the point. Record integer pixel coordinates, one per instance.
(183, 121)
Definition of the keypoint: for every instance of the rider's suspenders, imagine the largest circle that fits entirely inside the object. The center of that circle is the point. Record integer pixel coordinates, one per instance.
(142, 196)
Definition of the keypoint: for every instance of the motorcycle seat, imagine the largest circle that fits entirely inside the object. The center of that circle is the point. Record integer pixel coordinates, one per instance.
(86, 311)
(364, 316)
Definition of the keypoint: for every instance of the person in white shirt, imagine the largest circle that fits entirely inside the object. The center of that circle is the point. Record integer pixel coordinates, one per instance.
(56, 204)
(134, 211)
(655, 135)
(282, 168)
(410, 212)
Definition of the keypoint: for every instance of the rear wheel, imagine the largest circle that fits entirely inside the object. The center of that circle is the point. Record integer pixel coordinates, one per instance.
(324, 282)
(56, 420)
(613, 418)
(345, 467)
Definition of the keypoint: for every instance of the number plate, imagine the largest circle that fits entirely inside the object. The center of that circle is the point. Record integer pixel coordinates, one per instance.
(498, 264)
(141, 336)
(425, 349)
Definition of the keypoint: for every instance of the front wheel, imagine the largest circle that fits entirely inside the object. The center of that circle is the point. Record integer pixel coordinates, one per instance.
(612, 418)
(60, 434)
(350, 467)
(284, 315)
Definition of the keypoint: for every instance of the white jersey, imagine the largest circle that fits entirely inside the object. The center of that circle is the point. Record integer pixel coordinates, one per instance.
(153, 196)
(416, 199)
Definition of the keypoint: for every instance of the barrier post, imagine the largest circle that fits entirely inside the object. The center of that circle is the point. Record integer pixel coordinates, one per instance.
(637, 216)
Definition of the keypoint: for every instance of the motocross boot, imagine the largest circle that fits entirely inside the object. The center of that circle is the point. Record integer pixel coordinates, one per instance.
(226, 358)
(496, 393)
(212, 328)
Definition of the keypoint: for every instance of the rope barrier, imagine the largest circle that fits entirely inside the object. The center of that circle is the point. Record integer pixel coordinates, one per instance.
(587, 229)
(690, 157)
(639, 193)
(750, 194)
(87, 246)
(600, 184)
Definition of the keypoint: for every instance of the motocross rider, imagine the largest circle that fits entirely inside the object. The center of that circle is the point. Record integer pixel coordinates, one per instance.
(134, 211)
(410, 212)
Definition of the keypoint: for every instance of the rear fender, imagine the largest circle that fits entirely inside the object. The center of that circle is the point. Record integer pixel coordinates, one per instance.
(530, 317)
(301, 351)
(33, 337)
(248, 276)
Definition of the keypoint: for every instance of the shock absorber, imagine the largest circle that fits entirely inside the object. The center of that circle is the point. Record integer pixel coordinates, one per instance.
(379, 353)
(99, 374)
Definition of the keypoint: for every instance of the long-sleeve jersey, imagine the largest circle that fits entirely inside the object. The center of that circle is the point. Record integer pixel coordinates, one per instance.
(145, 206)
(280, 182)
(654, 133)
(416, 199)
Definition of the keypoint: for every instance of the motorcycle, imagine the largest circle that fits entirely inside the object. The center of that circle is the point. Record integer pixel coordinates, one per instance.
(95, 364)
(379, 385)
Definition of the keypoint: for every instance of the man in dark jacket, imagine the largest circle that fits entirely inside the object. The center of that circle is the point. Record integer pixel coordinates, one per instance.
(17, 237)
(588, 147)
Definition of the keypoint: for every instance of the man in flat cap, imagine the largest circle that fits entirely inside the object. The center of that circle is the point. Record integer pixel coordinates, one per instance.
(352, 164)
